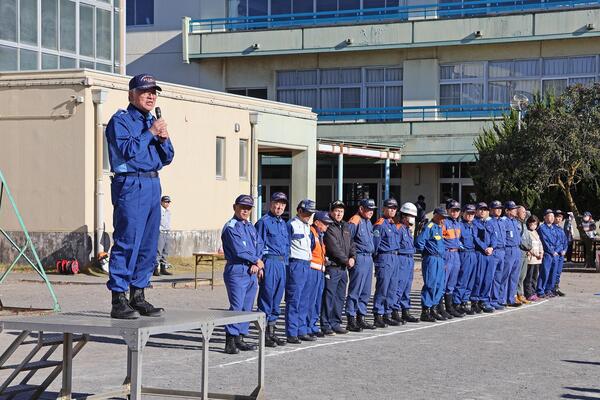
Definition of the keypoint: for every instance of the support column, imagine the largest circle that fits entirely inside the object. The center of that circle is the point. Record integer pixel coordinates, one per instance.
(259, 198)
(387, 179)
(304, 171)
(340, 180)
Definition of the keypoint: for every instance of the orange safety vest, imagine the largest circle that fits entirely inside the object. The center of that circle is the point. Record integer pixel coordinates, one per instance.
(318, 254)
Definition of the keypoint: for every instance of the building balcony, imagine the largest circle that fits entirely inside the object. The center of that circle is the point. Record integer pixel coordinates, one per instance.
(438, 24)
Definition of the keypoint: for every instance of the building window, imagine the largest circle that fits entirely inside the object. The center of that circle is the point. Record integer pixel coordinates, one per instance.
(220, 158)
(140, 12)
(456, 183)
(258, 93)
(243, 158)
(342, 88)
(462, 83)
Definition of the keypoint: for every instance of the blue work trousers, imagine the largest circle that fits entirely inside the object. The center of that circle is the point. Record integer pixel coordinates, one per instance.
(500, 278)
(333, 297)
(513, 261)
(241, 290)
(560, 262)
(452, 266)
(434, 276)
(314, 288)
(359, 287)
(405, 279)
(466, 277)
(549, 262)
(296, 306)
(136, 222)
(272, 288)
(386, 285)
(484, 279)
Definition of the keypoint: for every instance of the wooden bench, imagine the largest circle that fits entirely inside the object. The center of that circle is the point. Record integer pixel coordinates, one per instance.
(203, 257)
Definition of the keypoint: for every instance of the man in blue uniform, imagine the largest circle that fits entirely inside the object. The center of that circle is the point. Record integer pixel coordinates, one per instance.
(498, 299)
(512, 260)
(243, 249)
(563, 241)
(386, 239)
(430, 243)
(297, 302)
(138, 147)
(359, 288)
(468, 262)
(552, 246)
(273, 231)
(406, 263)
(485, 244)
(451, 230)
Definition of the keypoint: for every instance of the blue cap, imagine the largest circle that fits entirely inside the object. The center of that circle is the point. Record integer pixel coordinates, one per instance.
(368, 203)
(440, 211)
(510, 205)
(453, 205)
(548, 211)
(279, 196)
(587, 214)
(482, 205)
(245, 200)
(469, 208)
(143, 81)
(323, 216)
(496, 204)
(307, 205)
(166, 199)
(390, 203)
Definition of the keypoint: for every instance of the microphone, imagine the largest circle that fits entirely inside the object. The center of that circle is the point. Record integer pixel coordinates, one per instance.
(158, 113)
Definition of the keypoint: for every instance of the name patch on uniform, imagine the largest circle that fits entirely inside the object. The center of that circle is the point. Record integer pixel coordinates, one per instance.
(437, 237)
(430, 225)
(231, 223)
(376, 233)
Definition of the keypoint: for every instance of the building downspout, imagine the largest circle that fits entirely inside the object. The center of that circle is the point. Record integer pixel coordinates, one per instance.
(98, 97)
(254, 119)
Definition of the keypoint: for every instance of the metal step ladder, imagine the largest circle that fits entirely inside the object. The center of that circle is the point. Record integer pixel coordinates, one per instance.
(46, 347)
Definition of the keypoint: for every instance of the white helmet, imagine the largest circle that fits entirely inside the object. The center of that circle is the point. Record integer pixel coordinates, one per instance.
(409, 208)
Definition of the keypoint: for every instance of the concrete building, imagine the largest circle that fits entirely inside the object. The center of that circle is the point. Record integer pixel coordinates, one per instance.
(56, 164)
(420, 76)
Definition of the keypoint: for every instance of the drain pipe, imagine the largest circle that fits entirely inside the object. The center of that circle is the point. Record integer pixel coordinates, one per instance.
(98, 97)
(254, 119)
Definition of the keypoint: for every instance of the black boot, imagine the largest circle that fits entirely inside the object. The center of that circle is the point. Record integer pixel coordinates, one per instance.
(396, 317)
(362, 322)
(379, 323)
(269, 342)
(352, 325)
(243, 346)
(138, 302)
(156, 271)
(450, 306)
(387, 318)
(406, 317)
(559, 292)
(426, 315)
(275, 338)
(477, 306)
(164, 270)
(230, 347)
(434, 313)
(467, 310)
(121, 308)
(442, 311)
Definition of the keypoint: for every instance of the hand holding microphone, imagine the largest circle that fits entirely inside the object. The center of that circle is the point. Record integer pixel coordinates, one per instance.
(159, 127)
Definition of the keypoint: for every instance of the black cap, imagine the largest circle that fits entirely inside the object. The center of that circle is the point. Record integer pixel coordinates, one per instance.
(482, 205)
(496, 204)
(166, 199)
(587, 214)
(440, 211)
(559, 212)
(453, 205)
(510, 205)
(469, 208)
(143, 81)
(337, 204)
(323, 216)
(368, 203)
(390, 203)
(548, 211)
(279, 196)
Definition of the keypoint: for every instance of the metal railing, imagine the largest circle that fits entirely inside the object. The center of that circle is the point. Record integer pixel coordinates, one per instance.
(441, 10)
(413, 113)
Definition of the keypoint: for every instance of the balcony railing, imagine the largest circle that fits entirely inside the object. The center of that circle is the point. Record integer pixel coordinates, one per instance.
(440, 10)
(413, 113)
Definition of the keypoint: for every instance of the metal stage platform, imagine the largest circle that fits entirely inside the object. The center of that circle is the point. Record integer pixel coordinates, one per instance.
(135, 333)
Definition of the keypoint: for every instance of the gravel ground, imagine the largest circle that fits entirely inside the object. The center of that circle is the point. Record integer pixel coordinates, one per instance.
(546, 350)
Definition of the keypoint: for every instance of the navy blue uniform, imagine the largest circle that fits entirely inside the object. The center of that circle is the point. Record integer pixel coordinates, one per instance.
(430, 243)
(563, 245)
(243, 248)
(484, 277)
(468, 263)
(512, 258)
(498, 298)
(359, 288)
(386, 239)
(274, 233)
(134, 151)
(552, 246)
(406, 268)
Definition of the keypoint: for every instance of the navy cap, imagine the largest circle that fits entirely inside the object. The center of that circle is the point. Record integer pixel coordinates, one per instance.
(482, 205)
(368, 203)
(453, 205)
(307, 205)
(548, 211)
(166, 199)
(279, 196)
(587, 214)
(245, 200)
(469, 208)
(510, 205)
(337, 204)
(143, 81)
(323, 216)
(440, 211)
(390, 203)
(559, 212)
(496, 204)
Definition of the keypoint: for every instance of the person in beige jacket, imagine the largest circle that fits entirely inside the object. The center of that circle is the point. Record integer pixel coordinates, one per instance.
(534, 258)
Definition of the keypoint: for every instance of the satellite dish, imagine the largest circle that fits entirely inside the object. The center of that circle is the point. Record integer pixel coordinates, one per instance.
(519, 102)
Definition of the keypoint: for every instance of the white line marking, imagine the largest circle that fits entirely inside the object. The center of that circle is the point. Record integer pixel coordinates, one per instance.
(360, 339)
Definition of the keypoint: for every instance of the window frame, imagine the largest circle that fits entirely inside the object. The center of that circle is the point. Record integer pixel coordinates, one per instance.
(243, 170)
(223, 154)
